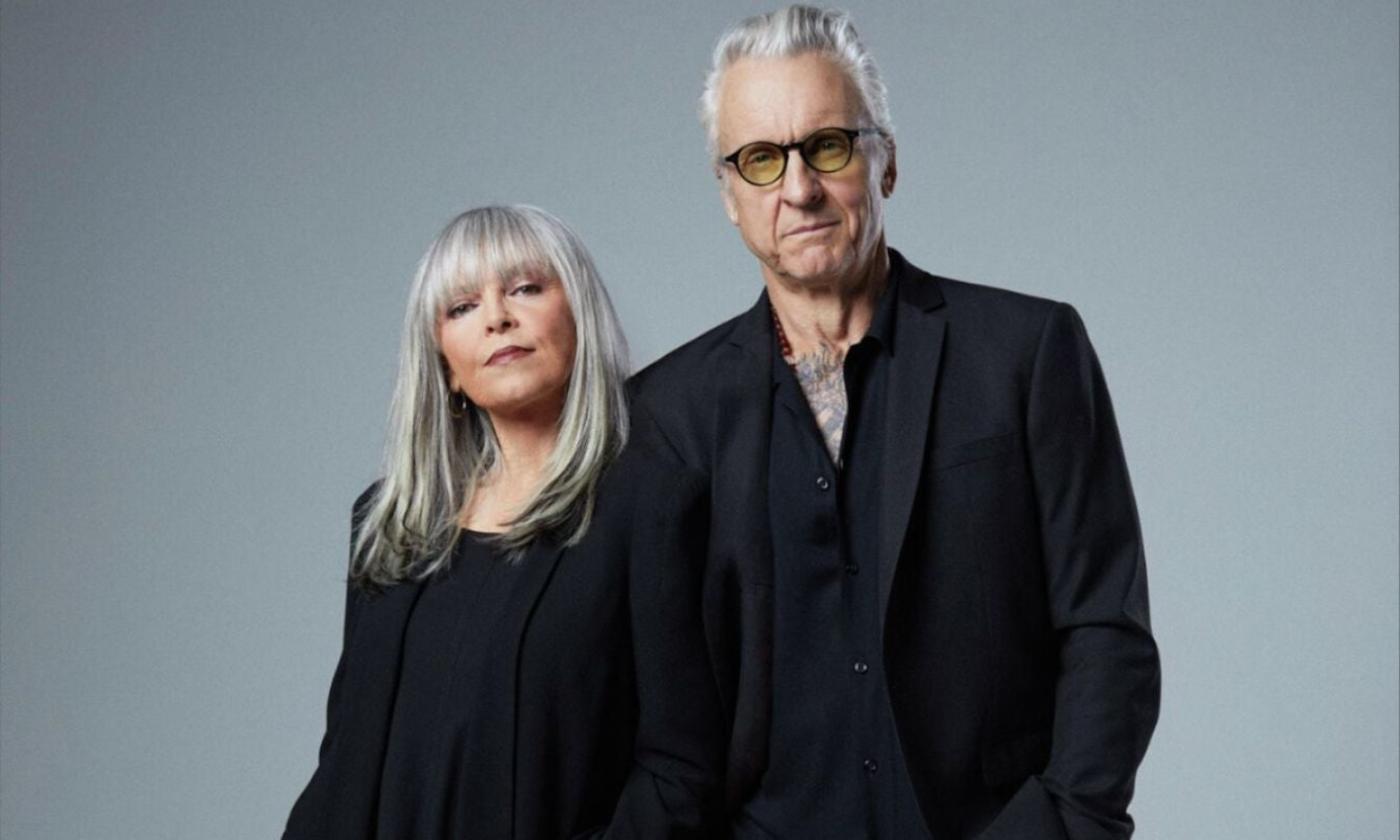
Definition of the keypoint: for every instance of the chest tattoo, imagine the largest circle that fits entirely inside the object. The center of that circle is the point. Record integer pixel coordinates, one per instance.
(821, 375)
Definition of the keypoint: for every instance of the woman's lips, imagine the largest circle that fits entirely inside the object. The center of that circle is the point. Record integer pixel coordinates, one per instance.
(506, 355)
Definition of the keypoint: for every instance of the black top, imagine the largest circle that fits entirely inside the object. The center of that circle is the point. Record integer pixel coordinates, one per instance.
(443, 667)
(835, 768)
(567, 695)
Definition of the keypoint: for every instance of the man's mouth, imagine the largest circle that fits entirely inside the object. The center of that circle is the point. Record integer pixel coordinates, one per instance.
(809, 228)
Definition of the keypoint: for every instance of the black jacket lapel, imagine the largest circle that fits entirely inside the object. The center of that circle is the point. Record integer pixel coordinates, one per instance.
(743, 420)
(740, 535)
(918, 349)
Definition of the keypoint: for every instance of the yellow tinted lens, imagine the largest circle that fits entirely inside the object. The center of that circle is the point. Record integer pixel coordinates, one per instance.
(761, 163)
(827, 151)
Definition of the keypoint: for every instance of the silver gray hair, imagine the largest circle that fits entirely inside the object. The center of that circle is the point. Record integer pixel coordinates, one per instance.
(434, 457)
(789, 32)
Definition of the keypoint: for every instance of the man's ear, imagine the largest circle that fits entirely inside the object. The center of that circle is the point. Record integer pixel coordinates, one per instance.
(726, 193)
(891, 172)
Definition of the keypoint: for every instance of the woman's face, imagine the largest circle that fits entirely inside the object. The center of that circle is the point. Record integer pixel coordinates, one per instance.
(509, 345)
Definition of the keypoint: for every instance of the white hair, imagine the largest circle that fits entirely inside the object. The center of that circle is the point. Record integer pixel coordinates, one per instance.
(435, 457)
(790, 32)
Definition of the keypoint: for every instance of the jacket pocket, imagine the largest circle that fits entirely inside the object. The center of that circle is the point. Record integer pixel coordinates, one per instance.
(1009, 763)
(974, 450)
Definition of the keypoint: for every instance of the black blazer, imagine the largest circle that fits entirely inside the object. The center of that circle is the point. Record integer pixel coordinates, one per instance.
(604, 721)
(1021, 668)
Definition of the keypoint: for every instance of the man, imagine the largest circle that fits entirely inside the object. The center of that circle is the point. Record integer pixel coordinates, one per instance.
(927, 587)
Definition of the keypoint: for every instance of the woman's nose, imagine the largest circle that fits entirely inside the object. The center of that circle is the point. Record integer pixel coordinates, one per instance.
(497, 312)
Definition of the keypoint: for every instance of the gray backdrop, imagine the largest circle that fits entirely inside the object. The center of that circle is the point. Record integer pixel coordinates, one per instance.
(210, 216)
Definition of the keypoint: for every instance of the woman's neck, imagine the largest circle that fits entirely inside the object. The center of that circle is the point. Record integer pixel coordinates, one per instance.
(524, 447)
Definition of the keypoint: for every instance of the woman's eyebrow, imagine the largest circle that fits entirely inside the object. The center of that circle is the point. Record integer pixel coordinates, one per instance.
(531, 270)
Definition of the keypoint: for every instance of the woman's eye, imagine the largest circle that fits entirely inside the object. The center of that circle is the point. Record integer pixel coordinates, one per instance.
(528, 288)
(459, 309)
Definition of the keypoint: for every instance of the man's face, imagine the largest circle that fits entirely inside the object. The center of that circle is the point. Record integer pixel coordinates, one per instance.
(809, 229)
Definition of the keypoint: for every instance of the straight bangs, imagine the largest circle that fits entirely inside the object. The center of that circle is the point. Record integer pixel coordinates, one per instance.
(470, 252)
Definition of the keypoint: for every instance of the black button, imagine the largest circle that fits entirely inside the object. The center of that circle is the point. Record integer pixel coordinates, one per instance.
(822, 483)
(871, 765)
(852, 568)
(861, 667)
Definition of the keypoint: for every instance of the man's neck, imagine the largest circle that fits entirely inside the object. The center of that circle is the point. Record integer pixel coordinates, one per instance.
(830, 317)
(816, 326)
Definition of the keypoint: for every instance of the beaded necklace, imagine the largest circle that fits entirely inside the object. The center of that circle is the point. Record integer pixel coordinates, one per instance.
(784, 345)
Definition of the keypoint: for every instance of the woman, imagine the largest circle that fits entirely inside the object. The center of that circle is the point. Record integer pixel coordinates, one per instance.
(523, 654)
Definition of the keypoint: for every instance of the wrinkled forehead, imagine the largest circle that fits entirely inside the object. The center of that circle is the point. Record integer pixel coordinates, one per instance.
(783, 99)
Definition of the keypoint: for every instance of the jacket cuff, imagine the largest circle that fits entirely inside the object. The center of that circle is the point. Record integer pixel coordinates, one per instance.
(1030, 815)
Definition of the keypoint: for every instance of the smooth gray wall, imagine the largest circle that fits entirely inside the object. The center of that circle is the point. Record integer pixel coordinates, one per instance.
(209, 214)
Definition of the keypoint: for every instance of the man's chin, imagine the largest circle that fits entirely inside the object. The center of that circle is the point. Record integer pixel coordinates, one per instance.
(815, 271)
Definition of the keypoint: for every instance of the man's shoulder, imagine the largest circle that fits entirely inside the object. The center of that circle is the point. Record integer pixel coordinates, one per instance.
(988, 321)
(981, 296)
(966, 299)
(648, 475)
(695, 356)
(681, 382)
(673, 398)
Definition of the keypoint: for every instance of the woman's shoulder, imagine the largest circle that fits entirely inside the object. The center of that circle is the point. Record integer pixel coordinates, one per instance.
(364, 501)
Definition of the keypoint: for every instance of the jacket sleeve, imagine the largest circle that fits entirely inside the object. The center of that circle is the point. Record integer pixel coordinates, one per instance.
(673, 789)
(1108, 689)
(305, 818)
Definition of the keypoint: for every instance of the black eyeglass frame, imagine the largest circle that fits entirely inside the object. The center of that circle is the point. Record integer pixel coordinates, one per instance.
(851, 134)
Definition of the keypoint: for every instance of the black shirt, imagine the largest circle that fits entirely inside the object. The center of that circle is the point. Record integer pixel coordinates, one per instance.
(432, 734)
(835, 768)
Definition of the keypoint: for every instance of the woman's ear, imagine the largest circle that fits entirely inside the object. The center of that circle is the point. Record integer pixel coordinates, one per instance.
(891, 172)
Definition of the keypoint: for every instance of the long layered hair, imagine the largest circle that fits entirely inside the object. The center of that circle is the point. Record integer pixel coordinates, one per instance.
(436, 455)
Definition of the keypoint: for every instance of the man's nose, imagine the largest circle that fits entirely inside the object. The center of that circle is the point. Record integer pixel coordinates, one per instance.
(802, 184)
